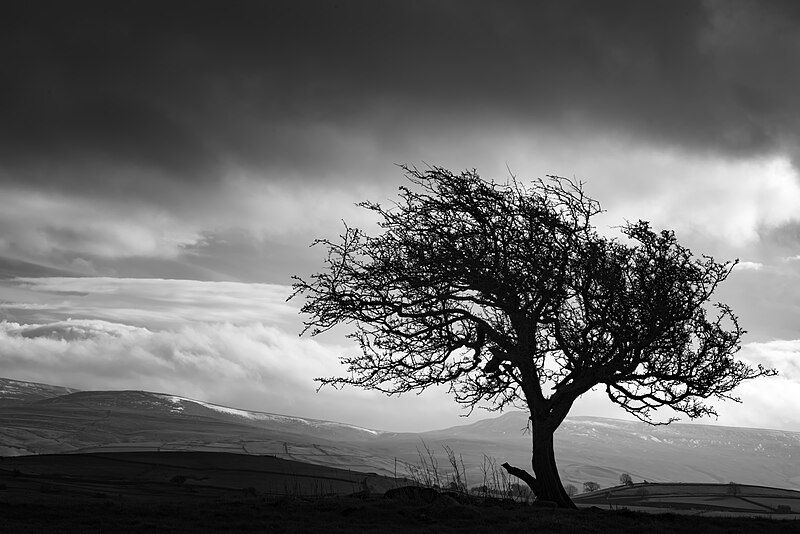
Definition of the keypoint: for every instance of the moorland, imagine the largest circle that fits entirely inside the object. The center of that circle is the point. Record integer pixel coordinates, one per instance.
(144, 462)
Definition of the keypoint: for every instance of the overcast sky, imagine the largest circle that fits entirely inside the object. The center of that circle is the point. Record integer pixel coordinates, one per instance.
(165, 165)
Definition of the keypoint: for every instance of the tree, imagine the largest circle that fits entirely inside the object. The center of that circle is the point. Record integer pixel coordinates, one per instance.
(589, 487)
(507, 294)
(625, 479)
(571, 490)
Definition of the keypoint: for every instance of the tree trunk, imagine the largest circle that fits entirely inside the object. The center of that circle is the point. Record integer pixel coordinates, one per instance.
(546, 483)
(545, 469)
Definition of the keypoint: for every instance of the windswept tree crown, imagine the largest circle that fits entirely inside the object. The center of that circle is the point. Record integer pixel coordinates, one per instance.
(506, 293)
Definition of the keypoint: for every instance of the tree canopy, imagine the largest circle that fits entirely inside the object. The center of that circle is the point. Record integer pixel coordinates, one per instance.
(507, 294)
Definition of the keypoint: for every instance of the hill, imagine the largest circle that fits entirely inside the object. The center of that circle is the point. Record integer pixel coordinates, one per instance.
(19, 392)
(41, 419)
(108, 421)
(600, 449)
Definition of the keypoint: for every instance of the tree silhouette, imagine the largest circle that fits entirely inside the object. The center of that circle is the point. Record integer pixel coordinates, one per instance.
(507, 294)
(625, 479)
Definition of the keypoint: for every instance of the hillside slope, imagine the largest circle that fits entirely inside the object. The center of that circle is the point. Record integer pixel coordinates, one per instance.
(599, 449)
(40, 419)
(19, 392)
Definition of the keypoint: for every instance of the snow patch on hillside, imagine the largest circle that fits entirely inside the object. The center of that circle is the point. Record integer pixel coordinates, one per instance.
(19, 390)
(177, 402)
(260, 416)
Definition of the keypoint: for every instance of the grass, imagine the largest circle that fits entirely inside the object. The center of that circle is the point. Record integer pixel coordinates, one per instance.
(348, 514)
(494, 484)
(197, 493)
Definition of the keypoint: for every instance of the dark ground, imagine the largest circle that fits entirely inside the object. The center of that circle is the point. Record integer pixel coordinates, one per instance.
(218, 492)
(346, 514)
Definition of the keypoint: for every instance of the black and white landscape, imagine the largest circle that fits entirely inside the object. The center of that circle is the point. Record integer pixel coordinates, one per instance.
(164, 168)
(590, 210)
(42, 419)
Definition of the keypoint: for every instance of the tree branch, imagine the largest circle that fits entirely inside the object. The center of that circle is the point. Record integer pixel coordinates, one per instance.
(523, 475)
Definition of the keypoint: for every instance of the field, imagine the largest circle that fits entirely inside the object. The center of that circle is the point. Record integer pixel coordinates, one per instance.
(222, 492)
(728, 500)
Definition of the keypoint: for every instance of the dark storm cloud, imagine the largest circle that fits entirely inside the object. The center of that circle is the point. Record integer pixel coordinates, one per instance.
(178, 92)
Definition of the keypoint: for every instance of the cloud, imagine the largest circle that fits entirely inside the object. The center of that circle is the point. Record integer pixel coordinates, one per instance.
(233, 364)
(251, 366)
(772, 402)
(768, 402)
(231, 343)
(132, 137)
(782, 354)
(765, 301)
(77, 233)
(703, 197)
(236, 344)
(152, 303)
(256, 229)
(244, 255)
(749, 265)
(251, 225)
(216, 145)
(178, 100)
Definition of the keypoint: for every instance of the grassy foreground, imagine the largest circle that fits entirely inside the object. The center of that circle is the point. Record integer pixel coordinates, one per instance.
(221, 492)
(348, 514)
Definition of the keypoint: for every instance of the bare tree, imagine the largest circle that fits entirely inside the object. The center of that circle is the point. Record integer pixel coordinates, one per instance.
(508, 295)
(625, 479)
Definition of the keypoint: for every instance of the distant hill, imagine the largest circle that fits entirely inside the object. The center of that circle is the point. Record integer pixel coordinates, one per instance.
(37, 419)
(599, 449)
(91, 421)
(147, 403)
(18, 392)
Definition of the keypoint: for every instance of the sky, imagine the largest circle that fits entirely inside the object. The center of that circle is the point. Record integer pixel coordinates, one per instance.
(164, 167)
